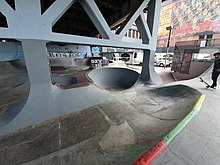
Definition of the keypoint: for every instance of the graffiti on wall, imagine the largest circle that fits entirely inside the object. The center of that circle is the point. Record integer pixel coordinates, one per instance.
(192, 16)
(165, 17)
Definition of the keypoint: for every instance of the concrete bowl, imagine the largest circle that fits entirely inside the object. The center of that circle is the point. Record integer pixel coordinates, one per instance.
(114, 78)
(64, 80)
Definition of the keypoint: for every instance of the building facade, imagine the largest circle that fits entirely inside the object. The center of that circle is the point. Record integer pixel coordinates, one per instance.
(191, 20)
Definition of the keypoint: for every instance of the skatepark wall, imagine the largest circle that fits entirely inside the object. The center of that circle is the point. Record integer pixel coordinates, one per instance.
(196, 69)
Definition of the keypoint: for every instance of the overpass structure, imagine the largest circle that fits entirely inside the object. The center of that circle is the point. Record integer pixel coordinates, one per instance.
(36, 23)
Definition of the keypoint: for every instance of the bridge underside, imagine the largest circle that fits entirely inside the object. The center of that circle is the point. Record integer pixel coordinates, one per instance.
(37, 23)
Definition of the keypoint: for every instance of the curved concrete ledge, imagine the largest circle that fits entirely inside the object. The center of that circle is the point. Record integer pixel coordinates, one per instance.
(196, 69)
(155, 151)
(114, 78)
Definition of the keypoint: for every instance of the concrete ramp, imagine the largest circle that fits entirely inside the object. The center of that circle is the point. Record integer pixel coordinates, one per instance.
(41, 107)
(116, 131)
(14, 91)
(114, 78)
(208, 72)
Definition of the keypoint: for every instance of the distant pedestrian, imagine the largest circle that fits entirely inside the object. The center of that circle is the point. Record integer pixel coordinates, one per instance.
(216, 69)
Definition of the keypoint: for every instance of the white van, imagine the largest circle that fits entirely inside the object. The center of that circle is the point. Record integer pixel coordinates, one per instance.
(161, 59)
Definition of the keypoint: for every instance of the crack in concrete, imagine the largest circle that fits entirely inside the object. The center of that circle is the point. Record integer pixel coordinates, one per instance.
(160, 110)
(59, 134)
(137, 130)
(160, 118)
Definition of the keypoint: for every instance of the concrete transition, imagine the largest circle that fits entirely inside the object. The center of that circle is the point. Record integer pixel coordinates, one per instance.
(114, 78)
(14, 89)
(21, 113)
(89, 125)
(117, 130)
(118, 136)
(22, 106)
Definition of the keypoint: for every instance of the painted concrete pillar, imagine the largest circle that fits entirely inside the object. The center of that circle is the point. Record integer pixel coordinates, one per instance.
(37, 62)
(148, 73)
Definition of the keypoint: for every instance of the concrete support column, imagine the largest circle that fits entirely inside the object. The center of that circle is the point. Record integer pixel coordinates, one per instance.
(36, 58)
(148, 73)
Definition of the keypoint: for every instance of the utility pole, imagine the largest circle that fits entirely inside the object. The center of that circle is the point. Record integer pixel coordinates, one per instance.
(168, 43)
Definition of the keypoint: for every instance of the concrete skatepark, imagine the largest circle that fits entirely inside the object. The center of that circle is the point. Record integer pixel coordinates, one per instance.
(123, 121)
(75, 116)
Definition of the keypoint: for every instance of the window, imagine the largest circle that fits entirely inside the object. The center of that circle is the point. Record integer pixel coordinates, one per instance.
(129, 33)
(135, 55)
(133, 33)
(201, 37)
(137, 33)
